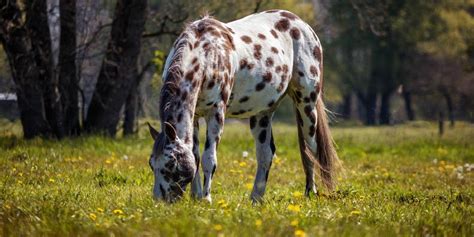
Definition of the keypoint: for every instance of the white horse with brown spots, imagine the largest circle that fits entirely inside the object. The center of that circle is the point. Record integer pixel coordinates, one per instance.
(241, 69)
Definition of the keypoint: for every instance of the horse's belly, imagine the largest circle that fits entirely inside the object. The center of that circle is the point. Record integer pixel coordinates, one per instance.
(247, 101)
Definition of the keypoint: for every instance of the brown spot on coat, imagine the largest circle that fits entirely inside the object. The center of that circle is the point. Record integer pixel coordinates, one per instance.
(261, 36)
(313, 70)
(253, 122)
(295, 33)
(274, 50)
(260, 86)
(243, 63)
(317, 53)
(278, 69)
(274, 33)
(246, 39)
(243, 99)
(288, 15)
(267, 76)
(257, 51)
(189, 75)
(282, 25)
(269, 62)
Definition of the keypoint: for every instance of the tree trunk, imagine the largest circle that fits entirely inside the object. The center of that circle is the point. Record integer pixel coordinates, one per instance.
(408, 105)
(67, 77)
(17, 44)
(118, 68)
(347, 106)
(37, 23)
(384, 116)
(370, 109)
(449, 105)
(131, 107)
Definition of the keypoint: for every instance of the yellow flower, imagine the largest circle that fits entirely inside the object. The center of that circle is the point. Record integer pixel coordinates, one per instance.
(249, 186)
(108, 161)
(243, 164)
(294, 208)
(277, 160)
(118, 212)
(218, 227)
(258, 223)
(101, 210)
(294, 223)
(51, 180)
(92, 216)
(222, 203)
(355, 213)
(297, 194)
(300, 233)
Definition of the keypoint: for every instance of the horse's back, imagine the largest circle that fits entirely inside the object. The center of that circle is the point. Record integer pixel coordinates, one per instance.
(266, 47)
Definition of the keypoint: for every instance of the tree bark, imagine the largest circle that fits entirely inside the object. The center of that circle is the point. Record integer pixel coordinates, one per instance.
(347, 106)
(408, 105)
(68, 75)
(118, 68)
(17, 44)
(450, 107)
(38, 28)
(370, 109)
(385, 114)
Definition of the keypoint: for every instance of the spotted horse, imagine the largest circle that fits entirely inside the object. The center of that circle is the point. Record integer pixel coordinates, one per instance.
(241, 69)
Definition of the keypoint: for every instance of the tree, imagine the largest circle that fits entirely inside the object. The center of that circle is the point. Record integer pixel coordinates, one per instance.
(119, 68)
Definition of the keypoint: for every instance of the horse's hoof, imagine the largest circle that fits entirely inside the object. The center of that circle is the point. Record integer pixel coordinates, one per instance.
(208, 199)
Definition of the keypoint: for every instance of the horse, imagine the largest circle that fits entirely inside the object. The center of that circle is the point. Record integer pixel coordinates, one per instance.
(241, 69)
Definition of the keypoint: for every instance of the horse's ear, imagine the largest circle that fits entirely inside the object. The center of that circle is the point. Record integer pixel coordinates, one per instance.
(154, 134)
(170, 131)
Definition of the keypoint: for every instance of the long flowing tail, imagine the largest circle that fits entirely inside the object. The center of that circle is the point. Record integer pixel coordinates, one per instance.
(327, 156)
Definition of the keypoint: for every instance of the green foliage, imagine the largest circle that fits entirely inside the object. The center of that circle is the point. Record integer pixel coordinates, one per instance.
(398, 181)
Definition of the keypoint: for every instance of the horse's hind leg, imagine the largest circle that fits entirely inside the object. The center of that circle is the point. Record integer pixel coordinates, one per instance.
(304, 91)
(261, 126)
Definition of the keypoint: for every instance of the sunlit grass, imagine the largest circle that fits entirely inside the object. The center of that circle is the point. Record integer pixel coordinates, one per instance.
(401, 180)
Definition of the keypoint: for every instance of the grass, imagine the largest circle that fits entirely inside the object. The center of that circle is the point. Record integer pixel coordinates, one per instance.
(400, 180)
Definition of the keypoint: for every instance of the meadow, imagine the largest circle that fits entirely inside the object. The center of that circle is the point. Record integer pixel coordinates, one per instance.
(399, 180)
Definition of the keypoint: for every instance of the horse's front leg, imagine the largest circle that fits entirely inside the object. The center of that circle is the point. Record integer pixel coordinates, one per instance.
(196, 188)
(261, 126)
(215, 126)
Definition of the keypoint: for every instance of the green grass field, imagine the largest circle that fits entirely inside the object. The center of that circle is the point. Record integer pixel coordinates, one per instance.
(399, 180)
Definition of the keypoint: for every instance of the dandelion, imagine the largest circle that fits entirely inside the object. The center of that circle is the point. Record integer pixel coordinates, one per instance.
(51, 180)
(108, 161)
(294, 208)
(249, 186)
(118, 212)
(218, 227)
(258, 223)
(92, 216)
(294, 223)
(297, 194)
(243, 164)
(245, 154)
(277, 160)
(222, 203)
(300, 233)
(101, 210)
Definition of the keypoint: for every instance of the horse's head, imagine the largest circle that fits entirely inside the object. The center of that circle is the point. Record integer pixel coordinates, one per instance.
(172, 163)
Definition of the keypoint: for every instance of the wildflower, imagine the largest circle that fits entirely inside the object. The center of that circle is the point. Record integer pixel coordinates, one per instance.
(218, 227)
(460, 169)
(108, 161)
(101, 210)
(294, 208)
(355, 213)
(435, 161)
(294, 223)
(222, 203)
(297, 194)
(92, 216)
(249, 186)
(245, 154)
(118, 212)
(300, 233)
(460, 176)
(51, 180)
(258, 223)
(277, 160)
(243, 164)
(125, 157)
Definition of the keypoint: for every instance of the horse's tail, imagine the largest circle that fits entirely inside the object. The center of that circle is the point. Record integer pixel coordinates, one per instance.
(325, 159)
(327, 156)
